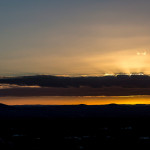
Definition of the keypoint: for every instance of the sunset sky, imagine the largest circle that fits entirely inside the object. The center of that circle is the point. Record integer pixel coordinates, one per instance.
(74, 37)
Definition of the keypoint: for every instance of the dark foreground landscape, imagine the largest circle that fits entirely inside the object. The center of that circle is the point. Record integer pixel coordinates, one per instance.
(74, 127)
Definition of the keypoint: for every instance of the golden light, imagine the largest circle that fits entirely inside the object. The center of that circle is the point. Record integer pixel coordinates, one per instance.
(126, 61)
(76, 100)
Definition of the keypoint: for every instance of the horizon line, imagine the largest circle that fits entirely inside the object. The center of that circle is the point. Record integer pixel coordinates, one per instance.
(76, 75)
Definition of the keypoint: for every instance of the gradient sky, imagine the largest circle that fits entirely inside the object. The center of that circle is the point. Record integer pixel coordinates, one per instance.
(74, 36)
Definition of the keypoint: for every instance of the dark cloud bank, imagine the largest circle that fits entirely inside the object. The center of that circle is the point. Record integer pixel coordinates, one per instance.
(77, 86)
(133, 81)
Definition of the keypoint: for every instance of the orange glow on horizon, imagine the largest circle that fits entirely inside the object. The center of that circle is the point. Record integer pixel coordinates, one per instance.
(76, 100)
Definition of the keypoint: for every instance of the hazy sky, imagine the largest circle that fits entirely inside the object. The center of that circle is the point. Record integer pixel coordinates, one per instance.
(74, 36)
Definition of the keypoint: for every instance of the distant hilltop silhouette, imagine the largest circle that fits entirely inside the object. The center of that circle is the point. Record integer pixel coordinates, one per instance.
(3, 106)
(74, 111)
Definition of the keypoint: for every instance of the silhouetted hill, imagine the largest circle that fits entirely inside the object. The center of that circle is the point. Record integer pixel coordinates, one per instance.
(75, 111)
(75, 127)
(4, 106)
